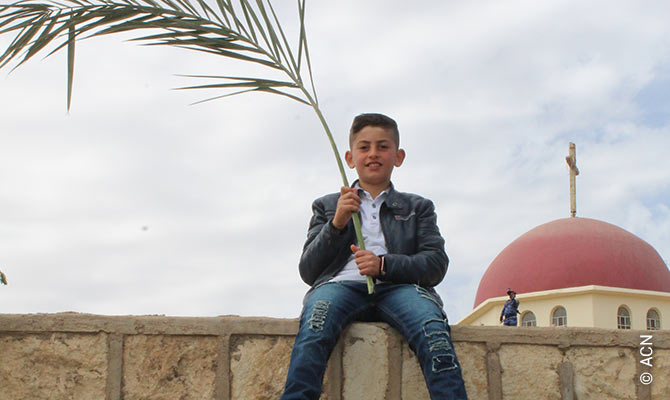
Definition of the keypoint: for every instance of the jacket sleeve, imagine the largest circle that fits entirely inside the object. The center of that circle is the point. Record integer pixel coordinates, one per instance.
(324, 245)
(428, 265)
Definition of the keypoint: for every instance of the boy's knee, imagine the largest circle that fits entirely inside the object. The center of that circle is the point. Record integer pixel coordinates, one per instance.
(319, 315)
(425, 294)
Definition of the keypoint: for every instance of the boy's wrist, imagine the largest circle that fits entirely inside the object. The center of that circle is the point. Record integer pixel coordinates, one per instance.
(336, 229)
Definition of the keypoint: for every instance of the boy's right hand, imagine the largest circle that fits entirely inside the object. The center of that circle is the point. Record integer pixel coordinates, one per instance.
(347, 204)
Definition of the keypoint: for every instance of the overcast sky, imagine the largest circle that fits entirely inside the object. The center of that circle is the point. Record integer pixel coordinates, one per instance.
(138, 203)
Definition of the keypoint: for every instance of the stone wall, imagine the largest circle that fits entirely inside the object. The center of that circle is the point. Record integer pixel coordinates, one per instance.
(79, 356)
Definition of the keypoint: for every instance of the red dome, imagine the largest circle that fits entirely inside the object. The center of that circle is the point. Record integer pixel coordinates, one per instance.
(574, 252)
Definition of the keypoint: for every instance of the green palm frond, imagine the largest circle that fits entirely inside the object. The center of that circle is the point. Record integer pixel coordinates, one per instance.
(245, 30)
(257, 37)
(254, 84)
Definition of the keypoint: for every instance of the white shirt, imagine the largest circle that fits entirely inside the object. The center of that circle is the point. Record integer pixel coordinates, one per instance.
(372, 234)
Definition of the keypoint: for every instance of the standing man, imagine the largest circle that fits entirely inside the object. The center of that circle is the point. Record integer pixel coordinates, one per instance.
(510, 310)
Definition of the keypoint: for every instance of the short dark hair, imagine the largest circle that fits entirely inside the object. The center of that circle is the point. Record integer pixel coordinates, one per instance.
(374, 119)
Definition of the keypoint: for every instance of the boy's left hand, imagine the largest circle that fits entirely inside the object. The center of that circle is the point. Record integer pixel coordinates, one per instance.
(368, 263)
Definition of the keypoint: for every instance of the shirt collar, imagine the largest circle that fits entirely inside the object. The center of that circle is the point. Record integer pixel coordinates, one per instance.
(381, 195)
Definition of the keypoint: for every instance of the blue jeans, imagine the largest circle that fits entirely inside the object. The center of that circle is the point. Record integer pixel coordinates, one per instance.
(410, 309)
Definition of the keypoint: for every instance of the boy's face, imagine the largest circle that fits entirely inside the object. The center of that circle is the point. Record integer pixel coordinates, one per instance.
(374, 154)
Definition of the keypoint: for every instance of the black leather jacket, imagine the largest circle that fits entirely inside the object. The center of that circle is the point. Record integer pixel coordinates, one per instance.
(415, 247)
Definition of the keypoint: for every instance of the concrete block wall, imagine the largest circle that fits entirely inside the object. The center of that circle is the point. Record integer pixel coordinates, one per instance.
(81, 356)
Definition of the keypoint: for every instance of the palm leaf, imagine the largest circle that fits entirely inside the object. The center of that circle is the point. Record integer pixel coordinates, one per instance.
(248, 32)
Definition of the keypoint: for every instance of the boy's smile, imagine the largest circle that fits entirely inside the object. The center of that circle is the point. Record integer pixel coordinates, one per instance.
(374, 153)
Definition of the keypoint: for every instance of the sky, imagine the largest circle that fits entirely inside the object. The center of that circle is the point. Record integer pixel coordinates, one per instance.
(137, 202)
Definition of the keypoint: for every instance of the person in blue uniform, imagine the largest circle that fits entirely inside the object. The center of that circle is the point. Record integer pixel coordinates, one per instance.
(510, 309)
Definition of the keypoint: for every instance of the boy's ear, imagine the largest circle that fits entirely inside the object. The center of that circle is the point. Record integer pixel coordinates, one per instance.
(349, 158)
(399, 157)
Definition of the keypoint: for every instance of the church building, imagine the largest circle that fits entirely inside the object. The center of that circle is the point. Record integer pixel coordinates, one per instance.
(577, 272)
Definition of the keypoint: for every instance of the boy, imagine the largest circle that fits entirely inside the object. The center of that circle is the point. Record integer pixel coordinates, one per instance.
(404, 253)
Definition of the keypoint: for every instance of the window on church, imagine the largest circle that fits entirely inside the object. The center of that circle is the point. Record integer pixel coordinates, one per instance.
(559, 317)
(528, 319)
(623, 318)
(653, 320)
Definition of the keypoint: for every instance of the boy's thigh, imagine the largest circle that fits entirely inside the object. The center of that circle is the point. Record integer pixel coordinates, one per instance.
(409, 307)
(335, 302)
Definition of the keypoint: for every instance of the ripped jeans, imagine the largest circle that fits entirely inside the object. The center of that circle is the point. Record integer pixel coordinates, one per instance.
(408, 308)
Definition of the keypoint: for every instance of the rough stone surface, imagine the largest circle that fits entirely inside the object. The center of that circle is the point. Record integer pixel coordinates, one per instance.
(660, 388)
(472, 357)
(79, 356)
(530, 372)
(365, 362)
(158, 367)
(53, 366)
(603, 373)
(258, 366)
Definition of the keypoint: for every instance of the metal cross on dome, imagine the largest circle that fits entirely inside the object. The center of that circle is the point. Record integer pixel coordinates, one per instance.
(571, 159)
